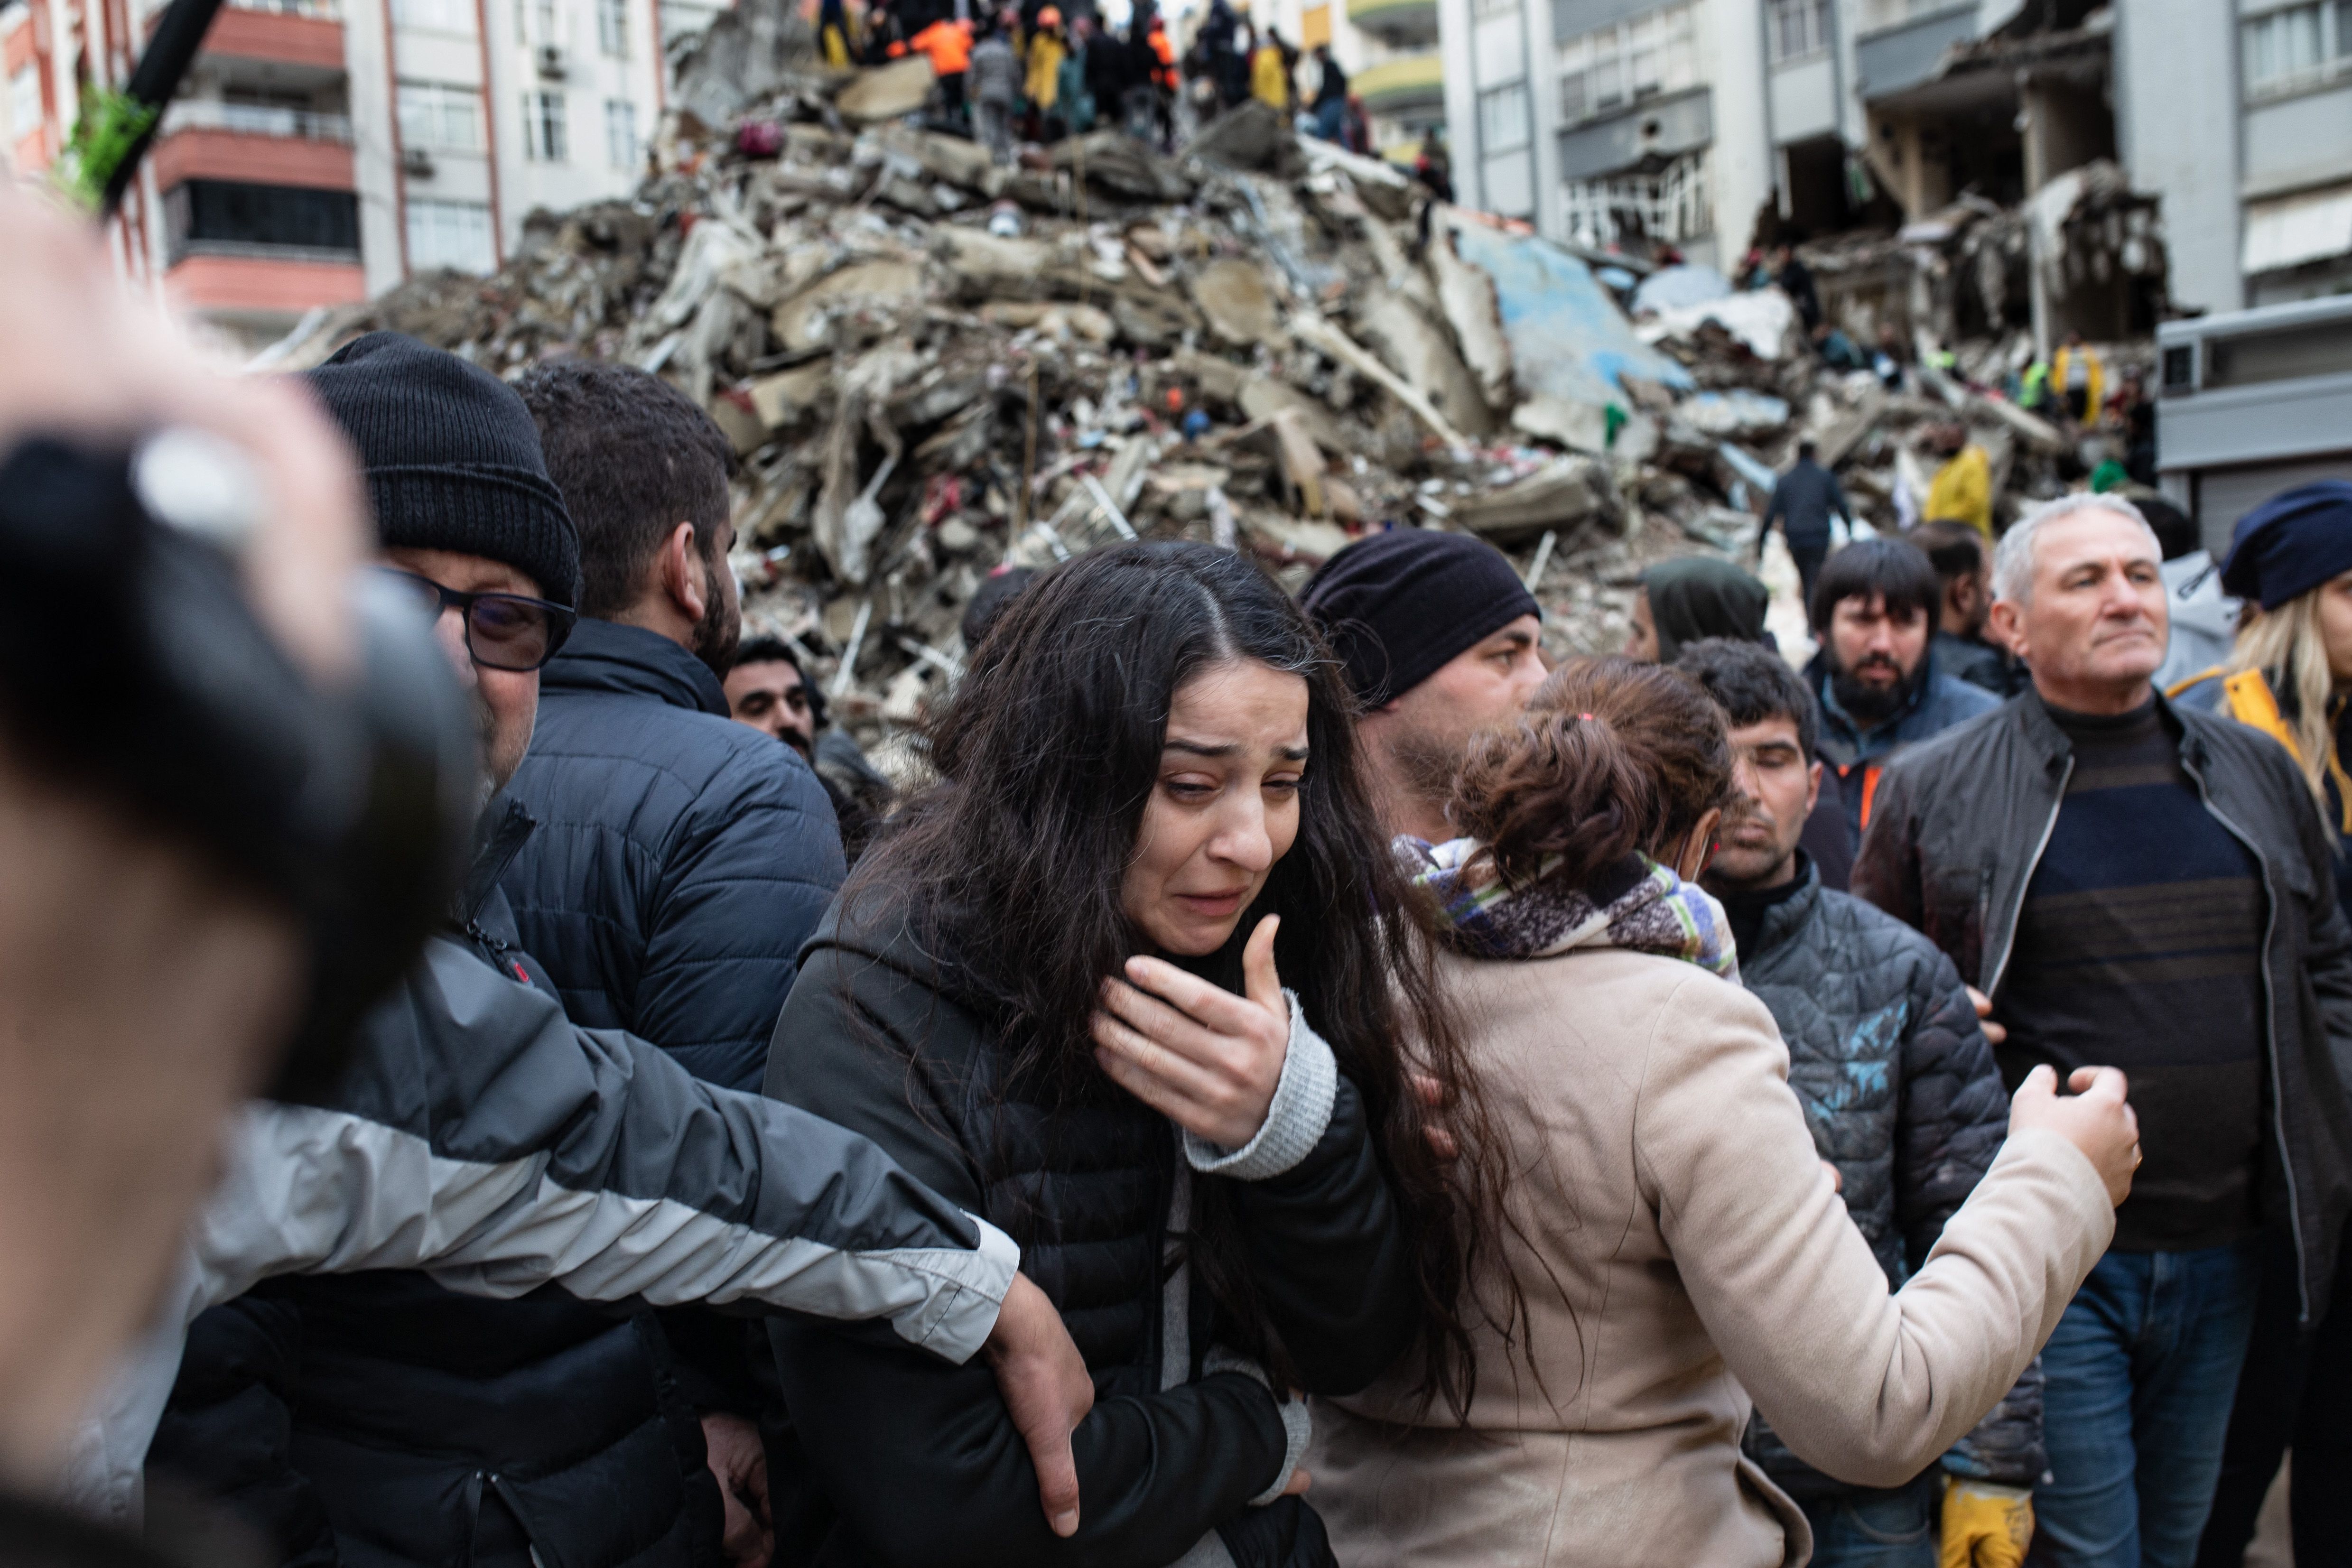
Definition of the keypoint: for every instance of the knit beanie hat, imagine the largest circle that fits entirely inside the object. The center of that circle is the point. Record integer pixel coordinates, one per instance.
(1398, 606)
(452, 458)
(2291, 544)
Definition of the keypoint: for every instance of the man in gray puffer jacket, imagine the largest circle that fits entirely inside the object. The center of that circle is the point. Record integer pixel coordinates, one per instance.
(1900, 1087)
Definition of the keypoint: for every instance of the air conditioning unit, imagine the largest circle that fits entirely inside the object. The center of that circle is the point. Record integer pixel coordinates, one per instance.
(417, 163)
(550, 61)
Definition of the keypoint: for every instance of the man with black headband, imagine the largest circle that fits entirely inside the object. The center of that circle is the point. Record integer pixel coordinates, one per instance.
(1438, 636)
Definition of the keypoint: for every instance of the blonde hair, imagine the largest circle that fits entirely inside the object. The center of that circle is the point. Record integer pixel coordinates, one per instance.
(2286, 646)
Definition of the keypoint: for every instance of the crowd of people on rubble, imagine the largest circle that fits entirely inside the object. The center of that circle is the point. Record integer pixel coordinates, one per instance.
(1027, 73)
(1306, 1081)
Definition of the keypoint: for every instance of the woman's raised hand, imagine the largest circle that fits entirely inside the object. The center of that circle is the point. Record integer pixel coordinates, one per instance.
(2096, 1118)
(1202, 1057)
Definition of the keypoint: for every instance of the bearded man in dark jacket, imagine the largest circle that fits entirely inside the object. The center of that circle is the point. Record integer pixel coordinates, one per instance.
(1899, 1088)
(680, 861)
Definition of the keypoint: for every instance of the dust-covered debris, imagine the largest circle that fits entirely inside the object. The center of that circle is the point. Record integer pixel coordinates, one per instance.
(931, 365)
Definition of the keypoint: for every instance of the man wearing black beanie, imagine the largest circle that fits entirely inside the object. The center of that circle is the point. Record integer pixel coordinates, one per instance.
(383, 1413)
(1439, 639)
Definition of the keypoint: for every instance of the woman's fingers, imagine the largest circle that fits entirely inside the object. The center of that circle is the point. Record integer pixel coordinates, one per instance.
(1173, 1074)
(1211, 1005)
(1259, 981)
(1156, 1020)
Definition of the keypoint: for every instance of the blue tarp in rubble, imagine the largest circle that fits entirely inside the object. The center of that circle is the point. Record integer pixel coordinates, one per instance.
(1568, 340)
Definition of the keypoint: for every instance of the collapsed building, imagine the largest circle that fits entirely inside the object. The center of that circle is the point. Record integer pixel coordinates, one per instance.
(931, 366)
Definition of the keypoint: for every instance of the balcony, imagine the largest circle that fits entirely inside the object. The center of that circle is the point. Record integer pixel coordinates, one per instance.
(286, 32)
(1401, 85)
(206, 138)
(1399, 21)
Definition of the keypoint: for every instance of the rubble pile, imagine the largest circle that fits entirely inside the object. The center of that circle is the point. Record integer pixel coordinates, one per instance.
(930, 365)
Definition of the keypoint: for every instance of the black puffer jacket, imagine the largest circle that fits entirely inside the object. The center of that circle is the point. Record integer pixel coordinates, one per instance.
(1903, 1096)
(379, 1419)
(909, 1462)
(681, 859)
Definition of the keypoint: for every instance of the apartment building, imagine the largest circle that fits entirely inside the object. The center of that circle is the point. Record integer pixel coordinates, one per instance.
(1684, 122)
(321, 150)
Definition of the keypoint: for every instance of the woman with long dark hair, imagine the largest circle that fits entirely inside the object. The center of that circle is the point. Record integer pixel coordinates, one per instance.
(1677, 1243)
(1138, 981)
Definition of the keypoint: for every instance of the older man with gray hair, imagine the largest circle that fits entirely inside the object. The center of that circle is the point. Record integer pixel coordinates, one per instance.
(2137, 885)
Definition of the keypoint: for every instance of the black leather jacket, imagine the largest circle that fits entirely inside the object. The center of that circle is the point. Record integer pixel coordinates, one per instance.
(1956, 833)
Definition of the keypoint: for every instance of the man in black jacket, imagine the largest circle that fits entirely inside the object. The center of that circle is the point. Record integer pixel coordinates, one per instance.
(2139, 885)
(372, 1414)
(680, 861)
(1898, 1087)
(1802, 503)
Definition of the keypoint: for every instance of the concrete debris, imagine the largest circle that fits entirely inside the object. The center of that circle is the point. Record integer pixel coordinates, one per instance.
(931, 365)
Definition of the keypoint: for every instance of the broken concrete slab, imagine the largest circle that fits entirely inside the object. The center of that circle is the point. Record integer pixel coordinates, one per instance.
(887, 92)
(1466, 296)
(1565, 494)
(1420, 351)
(1238, 302)
(805, 321)
(1568, 338)
(1322, 336)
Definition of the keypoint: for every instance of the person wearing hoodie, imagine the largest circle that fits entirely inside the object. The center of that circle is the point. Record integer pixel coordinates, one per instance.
(356, 1409)
(1673, 1246)
(1691, 597)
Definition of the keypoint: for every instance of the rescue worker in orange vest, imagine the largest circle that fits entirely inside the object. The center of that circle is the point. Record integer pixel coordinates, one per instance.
(948, 44)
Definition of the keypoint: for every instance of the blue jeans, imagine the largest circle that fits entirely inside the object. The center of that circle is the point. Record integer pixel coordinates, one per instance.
(2141, 1372)
(1864, 1528)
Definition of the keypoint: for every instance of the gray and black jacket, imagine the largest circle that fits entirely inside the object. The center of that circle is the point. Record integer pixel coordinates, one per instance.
(483, 1139)
(1958, 831)
(1904, 1097)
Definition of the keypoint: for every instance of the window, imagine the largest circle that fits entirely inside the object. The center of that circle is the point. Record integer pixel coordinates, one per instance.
(440, 15)
(613, 27)
(1615, 66)
(231, 214)
(1494, 8)
(621, 134)
(440, 116)
(455, 235)
(2300, 47)
(1794, 29)
(1503, 117)
(25, 100)
(543, 137)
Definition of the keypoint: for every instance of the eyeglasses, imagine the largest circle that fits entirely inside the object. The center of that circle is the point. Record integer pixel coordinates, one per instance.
(503, 630)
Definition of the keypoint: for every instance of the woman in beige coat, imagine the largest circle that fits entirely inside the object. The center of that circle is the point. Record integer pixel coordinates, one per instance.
(1674, 1246)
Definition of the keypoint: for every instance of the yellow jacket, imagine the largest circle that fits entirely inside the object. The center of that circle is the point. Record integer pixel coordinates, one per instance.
(1962, 491)
(1268, 84)
(2096, 382)
(1046, 53)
